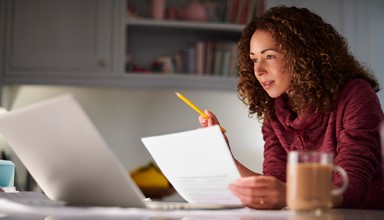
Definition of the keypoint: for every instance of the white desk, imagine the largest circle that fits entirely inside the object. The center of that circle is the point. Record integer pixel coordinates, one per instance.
(141, 214)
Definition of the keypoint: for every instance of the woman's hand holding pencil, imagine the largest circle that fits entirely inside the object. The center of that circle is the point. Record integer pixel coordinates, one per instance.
(206, 118)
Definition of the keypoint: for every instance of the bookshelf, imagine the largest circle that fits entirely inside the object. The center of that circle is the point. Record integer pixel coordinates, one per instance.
(186, 47)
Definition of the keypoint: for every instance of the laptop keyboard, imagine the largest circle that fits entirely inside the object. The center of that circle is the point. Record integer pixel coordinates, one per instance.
(30, 198)
(188, 206)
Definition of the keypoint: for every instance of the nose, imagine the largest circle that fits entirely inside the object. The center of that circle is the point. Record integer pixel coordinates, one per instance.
(259, 69)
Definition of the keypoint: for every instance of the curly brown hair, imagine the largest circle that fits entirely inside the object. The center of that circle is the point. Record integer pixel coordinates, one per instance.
(313, 51)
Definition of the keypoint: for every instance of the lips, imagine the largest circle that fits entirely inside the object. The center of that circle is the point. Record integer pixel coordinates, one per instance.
(267, 84)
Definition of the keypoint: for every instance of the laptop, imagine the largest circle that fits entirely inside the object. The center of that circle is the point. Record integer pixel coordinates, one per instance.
(66, 155)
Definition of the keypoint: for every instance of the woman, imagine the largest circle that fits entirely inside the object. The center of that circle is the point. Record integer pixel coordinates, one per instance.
(297, 75)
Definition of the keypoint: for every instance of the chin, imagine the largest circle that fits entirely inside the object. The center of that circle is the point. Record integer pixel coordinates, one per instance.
(274, 95)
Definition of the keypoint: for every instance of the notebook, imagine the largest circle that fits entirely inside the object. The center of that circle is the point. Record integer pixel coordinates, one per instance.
(71, 162)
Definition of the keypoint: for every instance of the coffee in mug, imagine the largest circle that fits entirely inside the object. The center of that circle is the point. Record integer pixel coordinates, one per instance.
(309, 181)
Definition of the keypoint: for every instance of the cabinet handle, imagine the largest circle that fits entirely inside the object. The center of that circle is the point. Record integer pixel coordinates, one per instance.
(103, 63)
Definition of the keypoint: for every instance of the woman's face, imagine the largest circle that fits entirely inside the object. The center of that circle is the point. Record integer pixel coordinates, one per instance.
(268, 65)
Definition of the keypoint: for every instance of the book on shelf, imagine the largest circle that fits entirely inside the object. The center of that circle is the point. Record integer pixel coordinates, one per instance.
(233, 62)
(208, 68)
(202, 58)
(252, 10)
(234, 10)
(224, 55)
(242, 11)
(189, 60)
(225, 59)
(226, 11)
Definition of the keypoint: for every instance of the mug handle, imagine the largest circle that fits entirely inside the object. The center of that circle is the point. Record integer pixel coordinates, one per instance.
(344, 175)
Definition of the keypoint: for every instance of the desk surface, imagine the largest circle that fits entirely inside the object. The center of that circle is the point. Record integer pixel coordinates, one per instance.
(242, 214)
(13, 210)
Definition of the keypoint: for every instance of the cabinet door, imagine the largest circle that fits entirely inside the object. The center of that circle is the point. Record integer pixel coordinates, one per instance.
(2, 36)
(61, 37)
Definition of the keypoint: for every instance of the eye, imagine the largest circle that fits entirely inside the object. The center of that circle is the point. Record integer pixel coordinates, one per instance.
(255, 60)
(269, 57)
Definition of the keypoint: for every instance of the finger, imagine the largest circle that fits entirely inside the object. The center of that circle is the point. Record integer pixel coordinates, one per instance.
(260, 192)
(259, 203)
(203, 121)
(253, 181)
(245, 191)
(256, 202)
(211, 122)
(212, 118)
(208, 112)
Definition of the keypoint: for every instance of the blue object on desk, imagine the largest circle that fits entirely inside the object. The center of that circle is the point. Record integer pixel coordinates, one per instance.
(7, 173)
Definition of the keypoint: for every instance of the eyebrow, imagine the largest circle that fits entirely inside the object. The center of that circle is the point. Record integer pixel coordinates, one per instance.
(265, 50)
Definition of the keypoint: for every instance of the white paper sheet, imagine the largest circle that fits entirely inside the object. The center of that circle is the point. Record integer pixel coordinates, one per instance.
(197, 163)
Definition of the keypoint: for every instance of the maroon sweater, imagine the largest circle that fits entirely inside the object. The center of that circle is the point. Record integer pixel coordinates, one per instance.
(351, 132)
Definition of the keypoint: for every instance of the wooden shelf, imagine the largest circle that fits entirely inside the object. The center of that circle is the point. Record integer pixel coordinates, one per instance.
(141, 22)
(136, 80)
(180, 81)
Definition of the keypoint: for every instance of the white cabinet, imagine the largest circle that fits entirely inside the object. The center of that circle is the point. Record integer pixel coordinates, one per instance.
(2, 35)
(85, 42)
(50, 41)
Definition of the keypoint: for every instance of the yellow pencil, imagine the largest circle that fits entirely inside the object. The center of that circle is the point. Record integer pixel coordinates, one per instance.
(195, 108)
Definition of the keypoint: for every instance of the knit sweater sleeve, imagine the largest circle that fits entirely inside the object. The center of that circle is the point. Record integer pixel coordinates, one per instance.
(275, 156)
(358, 142)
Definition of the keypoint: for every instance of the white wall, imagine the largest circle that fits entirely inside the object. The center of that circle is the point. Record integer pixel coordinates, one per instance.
(376, 38)
(359, 21)
(123, 116)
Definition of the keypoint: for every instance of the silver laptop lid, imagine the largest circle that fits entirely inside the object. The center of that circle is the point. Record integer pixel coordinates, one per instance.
(66, 155)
